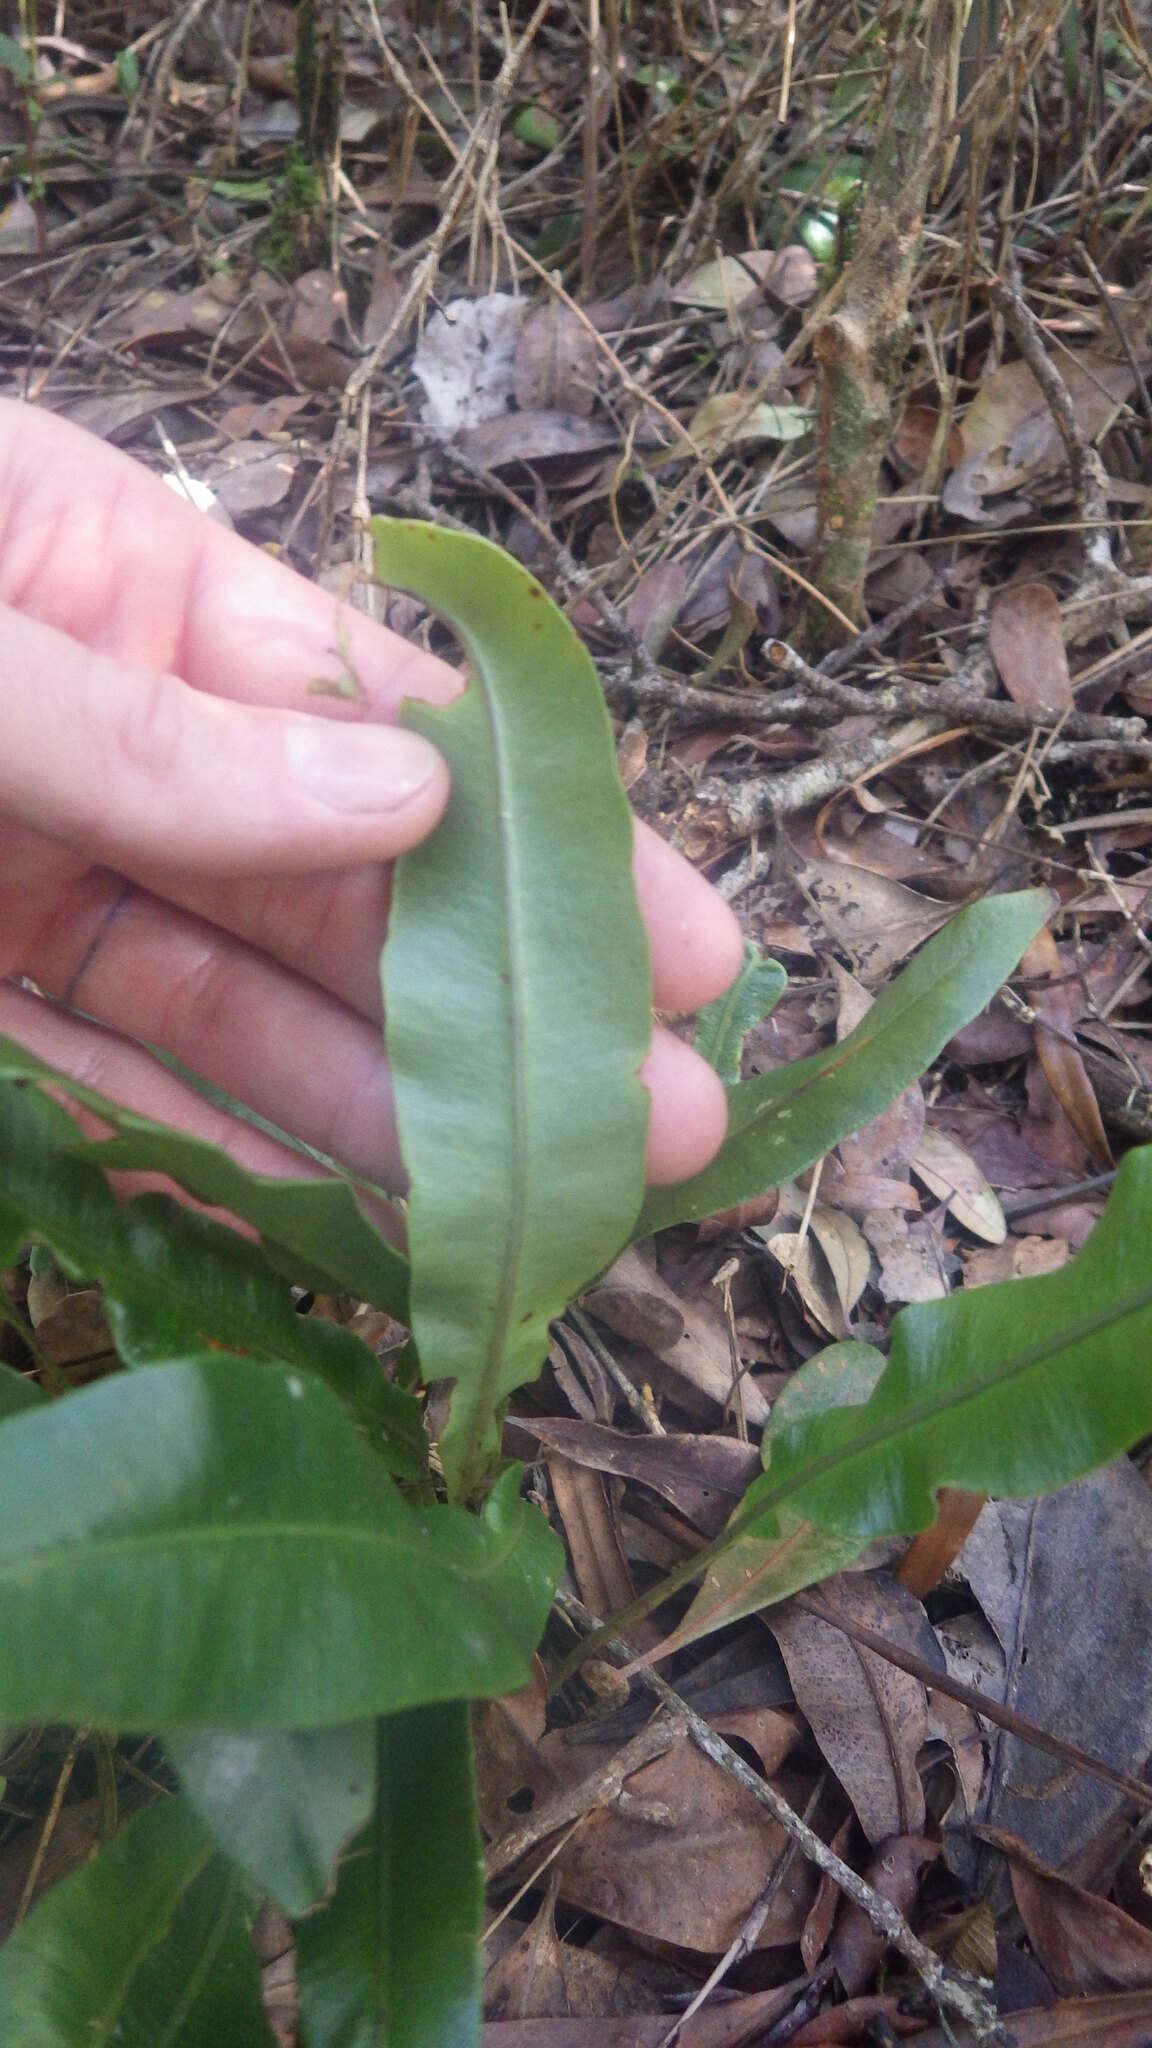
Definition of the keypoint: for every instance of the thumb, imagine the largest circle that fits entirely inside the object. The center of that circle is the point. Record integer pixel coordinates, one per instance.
(135, 769)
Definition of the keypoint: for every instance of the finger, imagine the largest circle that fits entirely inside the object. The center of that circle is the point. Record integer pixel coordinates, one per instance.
(126, 1074)
(94, 545)
(331, 927)
(689, 1110)
(136, 769)
(289, 1050)
(95, 530)
(697, 944)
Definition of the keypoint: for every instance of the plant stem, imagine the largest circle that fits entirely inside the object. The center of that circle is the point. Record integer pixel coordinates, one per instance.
(860, 347)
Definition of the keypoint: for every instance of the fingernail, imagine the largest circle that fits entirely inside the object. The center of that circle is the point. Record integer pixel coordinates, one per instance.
(359, 768)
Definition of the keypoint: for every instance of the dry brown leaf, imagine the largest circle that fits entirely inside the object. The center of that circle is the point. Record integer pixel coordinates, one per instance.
(700, 1354)
(915, 438)
(730, 418)
(385, 295)
(909, 1255)
(170, 316)
(1019, 1258)
(876, 921)
(952, 1175)
(1085, 1943)
(1121, 2022)
(75, 1334)
(515, 437)
(1062, 1065)
(599, 1565)
(868, 1717)
(846, 1251)
(804, 1269)
(542, 1977)
(632, 753)
(251, 477)
(655, 603)
(704, 1477)
(556, 362)
(1026, 640)
(733, 281)
(818, 1926)
(859, 2021)
(1010, 412)
(691, 1882)
(857, 1950)
(735, 2024)
(886, 1145)
(930, 1554)
(859, 1192)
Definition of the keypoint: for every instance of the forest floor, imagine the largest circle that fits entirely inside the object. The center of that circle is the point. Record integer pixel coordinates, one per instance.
(565, 286)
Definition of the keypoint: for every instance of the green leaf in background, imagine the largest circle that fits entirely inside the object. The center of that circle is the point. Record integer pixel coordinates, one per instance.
(202, 1543)
(315, 1229)
(280, 1802)
(17, 1392)
(127, 72)
(146, 1947)
(756, 1569)
(517, 990)
(722, 1028)
(781, 1122)
(1013, 1389)
(395, 1957)
(15, 59)
(175, 1280)
(537, 129)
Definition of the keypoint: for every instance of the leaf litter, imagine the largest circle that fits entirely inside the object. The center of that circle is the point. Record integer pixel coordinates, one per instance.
(607, 363)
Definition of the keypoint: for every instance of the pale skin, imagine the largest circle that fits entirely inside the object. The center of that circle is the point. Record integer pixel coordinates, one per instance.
(193, 840)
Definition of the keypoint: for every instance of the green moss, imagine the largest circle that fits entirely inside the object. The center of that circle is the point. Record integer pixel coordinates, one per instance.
(286, 245)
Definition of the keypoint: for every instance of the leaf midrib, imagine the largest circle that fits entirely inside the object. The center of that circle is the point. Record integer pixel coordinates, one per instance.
(144, 1284)
(929, 1410)
(849, 1051)
(112, 1549)
(146, 1947)
(483, 1395)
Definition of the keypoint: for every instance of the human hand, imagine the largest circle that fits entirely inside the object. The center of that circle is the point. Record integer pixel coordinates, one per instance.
(192, 839)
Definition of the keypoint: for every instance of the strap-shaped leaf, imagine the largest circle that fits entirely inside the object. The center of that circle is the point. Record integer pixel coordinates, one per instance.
(1013, 1389)
(516, 987)
(724, 1025)
(395, 1957)
(281, 1802)
(175, 1280)
(147, 1947)
(315, 1229)
(781, 1122)
(207, 1543)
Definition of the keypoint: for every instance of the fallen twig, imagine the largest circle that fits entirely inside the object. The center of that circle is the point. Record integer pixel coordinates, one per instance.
(952, 1992)
(1085, 468)
(602, 1788)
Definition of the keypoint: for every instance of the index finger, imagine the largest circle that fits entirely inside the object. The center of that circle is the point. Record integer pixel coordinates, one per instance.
(98, 547)
(94, 545)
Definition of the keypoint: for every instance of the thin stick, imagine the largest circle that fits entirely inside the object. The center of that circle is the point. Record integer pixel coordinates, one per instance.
(749, 1933)
(989, 1709)
(602, 1788)
(1085, 468)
